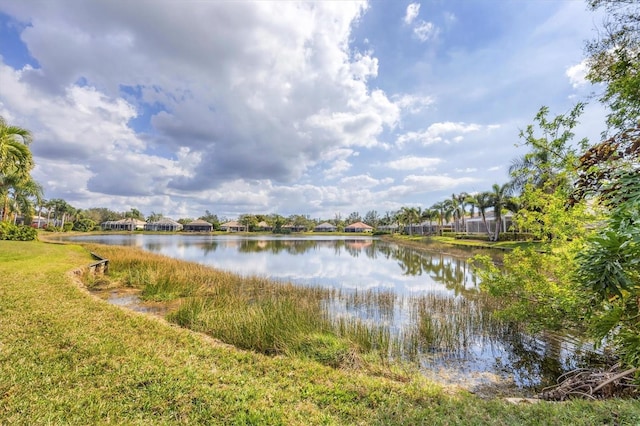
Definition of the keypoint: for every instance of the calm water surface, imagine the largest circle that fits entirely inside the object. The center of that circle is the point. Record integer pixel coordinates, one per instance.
(408, 291)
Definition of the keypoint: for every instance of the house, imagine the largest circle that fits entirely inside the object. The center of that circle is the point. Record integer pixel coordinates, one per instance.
(392, 228)
(164, 224)
(475, 225)
(325, 227)
(264, 226)
(233, 226)
(198, 226)
(127, 224)
(290, 227)
(425, 228)
(39, 222)
(358, 227)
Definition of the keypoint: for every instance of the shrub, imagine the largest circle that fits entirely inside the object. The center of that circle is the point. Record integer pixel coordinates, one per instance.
(9, 231)
(83, 225)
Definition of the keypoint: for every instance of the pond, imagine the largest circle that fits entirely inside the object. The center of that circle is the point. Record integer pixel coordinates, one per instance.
(428, 300)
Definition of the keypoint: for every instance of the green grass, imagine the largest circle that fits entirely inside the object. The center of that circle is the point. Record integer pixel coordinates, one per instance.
(417, 240)
(69, 358)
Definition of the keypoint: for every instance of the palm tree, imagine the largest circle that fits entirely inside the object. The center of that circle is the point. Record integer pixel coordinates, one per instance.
(462, 206)
(499, 199)
(439, 208)
(17, 193)
(15, 156)
(482, 201)
(428, 214)
(16, 163)
(410, 216)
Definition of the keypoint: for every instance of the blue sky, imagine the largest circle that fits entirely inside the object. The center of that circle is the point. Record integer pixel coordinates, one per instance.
(317, 108)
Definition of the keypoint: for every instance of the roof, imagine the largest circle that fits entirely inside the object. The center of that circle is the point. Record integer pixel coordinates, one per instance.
(359, 225)
(126, 221)
(326, 225)
(232, 223)
(263, 224)
(165, 221)
(200, 222)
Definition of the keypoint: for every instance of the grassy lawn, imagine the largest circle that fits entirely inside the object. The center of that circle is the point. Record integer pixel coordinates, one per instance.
(69, 358)
(501, 245)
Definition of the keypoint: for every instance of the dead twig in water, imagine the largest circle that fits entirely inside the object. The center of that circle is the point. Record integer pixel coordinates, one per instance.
(581, 383)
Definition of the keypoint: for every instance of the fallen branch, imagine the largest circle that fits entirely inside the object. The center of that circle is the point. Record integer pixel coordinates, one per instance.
(581, 383)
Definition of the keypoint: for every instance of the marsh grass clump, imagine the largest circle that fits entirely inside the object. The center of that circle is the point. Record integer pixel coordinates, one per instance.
(251, 313)
(337, 328)
(447, 325)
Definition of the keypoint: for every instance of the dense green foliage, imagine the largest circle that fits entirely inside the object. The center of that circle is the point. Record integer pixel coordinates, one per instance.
(11, 232)
(614, 59)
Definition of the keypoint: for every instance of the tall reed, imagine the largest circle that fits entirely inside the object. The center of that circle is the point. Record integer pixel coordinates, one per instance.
(331, 326)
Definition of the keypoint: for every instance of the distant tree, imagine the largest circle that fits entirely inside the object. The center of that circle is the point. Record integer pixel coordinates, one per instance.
(211, 218)
(184, 220)
(154, 217)
(499, 196)
(134, 214)
(409, 216)
(353, 218)
(249, 221)
(372, 218)
(101, 214)
(440, 209)
(276, 221)
(483, 202)
(61, 211)
(301, 221)
(338, 222)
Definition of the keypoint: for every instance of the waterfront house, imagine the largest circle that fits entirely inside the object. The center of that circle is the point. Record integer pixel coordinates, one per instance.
(325, 227)
(476, 225)
(127, 224)
(358, 227)
(233, 226)
(164, 224)
(264, 226)
(198, 226)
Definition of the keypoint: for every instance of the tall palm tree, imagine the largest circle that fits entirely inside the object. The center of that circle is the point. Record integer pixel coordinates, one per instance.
(429, 214)
(483, 201)
(411, 215)
(450, 206)
(439, 208)
(462, 207)
(499, 199)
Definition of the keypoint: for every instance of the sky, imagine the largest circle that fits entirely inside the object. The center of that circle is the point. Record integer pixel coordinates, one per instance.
(315, 108)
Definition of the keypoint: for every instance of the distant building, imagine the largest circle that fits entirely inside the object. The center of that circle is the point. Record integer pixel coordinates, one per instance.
(264, 226)
(127, 224)
(164, 224)
(358, 227)
(476, 224)
(198, 226)
(294, 228)
(233, 226)
(325, 227)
